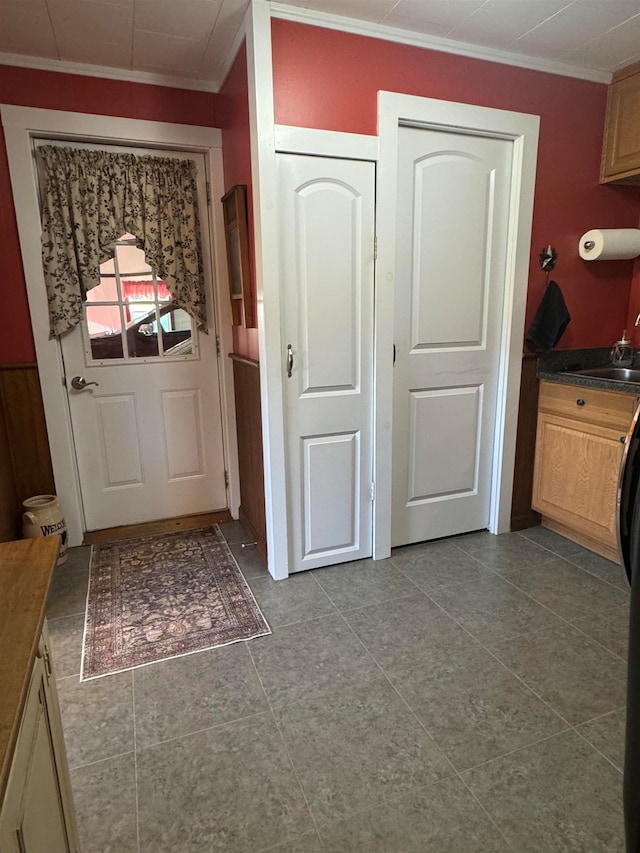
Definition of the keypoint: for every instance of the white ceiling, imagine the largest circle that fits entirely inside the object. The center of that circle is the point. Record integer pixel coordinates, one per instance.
(189, 41)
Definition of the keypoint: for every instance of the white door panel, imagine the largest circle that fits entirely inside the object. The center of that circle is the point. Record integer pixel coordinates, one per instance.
(148, 437)
(326, 211)
(452, 229)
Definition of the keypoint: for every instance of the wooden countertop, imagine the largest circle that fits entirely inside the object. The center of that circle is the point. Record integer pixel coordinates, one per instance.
(26, 568)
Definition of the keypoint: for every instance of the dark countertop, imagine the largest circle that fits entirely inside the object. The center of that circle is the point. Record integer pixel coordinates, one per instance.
(590, 382)
(555, 366)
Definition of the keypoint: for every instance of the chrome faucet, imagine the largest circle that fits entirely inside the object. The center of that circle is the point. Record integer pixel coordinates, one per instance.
(622, 354)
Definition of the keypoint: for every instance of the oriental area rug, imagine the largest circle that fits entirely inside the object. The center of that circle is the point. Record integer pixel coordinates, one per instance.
(163, 596)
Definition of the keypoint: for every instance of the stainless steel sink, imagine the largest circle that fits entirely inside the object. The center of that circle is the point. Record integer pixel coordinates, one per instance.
(614, 374)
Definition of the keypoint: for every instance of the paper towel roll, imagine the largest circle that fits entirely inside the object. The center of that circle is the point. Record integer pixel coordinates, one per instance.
(612, 244)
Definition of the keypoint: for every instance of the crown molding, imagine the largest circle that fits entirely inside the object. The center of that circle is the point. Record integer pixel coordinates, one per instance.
(128, 75)
(382, 31)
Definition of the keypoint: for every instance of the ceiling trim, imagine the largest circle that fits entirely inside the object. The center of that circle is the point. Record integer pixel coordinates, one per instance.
(383, 31)
(104, 71)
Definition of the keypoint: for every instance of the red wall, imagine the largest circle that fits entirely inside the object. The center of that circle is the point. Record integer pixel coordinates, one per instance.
(54, 91)
(328, 79)
(236, 149)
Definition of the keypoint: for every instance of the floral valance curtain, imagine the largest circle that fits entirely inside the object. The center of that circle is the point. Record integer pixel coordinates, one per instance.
(92, 198)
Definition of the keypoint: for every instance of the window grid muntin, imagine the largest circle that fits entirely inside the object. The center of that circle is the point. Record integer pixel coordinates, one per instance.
(126, 358)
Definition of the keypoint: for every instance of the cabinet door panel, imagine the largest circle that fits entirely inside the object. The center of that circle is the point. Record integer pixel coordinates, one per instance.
(576, 475)
(37, 812)
(621, 151)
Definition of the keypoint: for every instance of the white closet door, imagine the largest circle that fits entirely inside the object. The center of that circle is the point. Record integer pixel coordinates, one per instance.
(452, 230)
(326, 209)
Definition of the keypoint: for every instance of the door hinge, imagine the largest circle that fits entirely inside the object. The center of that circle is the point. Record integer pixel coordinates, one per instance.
(373, 491)
(226, 479)
(46, 659)
(208, 194)
(218, 345)
(375, 248)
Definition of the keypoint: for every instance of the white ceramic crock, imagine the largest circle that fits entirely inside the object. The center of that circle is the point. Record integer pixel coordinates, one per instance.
(43, 517)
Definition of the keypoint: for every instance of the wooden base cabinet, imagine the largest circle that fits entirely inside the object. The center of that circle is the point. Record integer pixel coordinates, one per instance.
(579, 447)
(37, 812)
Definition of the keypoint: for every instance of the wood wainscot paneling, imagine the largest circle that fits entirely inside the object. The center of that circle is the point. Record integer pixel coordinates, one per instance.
(246, 377)
(25, 460)
(522, 516)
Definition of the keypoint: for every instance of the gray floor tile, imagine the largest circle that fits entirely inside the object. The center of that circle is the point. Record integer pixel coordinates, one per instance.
(560, 545)
(97, 717)
(503, 553)
(607, 734)
(104, 796)
(475, 709)
(442, 817)
(559, 795)
(431, 565)
(609, 628)
(68, 593)
(310, 660)
(578, 678)
(358, 747)
(567, 590)
(363, 582)
(66, 636)
(309, 843)
(230, 789)
(492, 609)
(297, 598)
(602, 568)
(408, 632)
(186, 694)
(234, 532)
(250, 561)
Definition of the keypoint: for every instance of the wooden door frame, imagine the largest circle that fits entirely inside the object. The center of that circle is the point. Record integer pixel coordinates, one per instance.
(394, 111)
(20, 125)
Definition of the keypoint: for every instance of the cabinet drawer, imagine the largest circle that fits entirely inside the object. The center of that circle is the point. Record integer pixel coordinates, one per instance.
(612, 409)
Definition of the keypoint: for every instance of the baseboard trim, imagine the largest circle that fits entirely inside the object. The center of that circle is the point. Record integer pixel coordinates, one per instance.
(607, 551)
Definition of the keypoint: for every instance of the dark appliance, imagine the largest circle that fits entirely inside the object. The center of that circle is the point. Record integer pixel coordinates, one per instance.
(628, 508)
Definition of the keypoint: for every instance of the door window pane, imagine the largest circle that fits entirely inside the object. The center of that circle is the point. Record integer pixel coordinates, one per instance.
(105, 331)
(142, 330)
(129, 315)
(176, 332)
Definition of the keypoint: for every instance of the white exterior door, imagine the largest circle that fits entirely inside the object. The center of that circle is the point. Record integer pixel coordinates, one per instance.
(326, 212)
(453, 195)
(148, 433)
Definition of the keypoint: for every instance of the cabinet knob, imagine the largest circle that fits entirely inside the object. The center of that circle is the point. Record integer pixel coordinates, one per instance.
(623, 439)
(580, 402)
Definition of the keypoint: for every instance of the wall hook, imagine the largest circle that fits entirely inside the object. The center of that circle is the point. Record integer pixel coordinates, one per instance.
(548, 259)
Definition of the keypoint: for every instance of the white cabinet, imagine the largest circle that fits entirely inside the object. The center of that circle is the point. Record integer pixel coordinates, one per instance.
(37, 812)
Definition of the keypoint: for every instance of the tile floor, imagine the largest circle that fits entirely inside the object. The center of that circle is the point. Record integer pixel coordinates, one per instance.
(464, 695)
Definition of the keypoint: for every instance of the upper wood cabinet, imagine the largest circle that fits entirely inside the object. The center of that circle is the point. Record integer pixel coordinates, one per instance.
(621, 144)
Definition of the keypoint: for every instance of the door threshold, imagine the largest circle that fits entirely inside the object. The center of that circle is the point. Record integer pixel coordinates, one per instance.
(150, 528)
